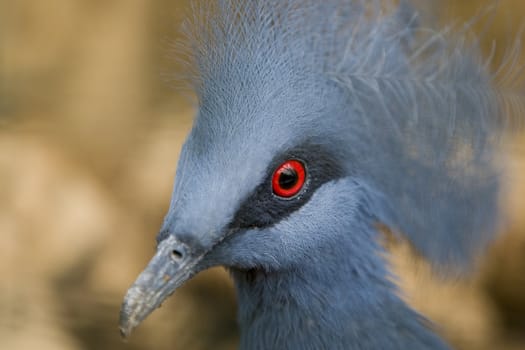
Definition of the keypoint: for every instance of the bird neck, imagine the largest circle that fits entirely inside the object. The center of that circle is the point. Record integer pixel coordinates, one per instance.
(345, 303)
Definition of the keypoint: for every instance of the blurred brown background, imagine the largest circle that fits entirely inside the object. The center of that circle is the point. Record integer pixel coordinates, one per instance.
(91, 122)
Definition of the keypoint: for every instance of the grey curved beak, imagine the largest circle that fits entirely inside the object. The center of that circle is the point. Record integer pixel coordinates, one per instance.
(172, 265)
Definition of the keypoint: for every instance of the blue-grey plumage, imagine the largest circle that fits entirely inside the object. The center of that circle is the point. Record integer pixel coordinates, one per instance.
(393, 123)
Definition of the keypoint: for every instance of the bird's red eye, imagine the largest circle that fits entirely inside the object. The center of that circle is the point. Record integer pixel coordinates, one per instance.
(288, 178)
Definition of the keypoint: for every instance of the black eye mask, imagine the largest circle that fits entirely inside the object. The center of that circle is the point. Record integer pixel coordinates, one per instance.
(264, 208)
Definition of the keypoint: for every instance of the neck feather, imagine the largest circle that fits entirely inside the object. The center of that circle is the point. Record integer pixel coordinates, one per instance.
(347, 303)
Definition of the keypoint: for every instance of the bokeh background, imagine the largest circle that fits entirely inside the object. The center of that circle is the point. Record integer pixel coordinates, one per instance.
(91, 123)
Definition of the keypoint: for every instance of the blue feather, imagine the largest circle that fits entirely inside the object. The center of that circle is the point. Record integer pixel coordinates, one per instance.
(394, 122)
(427, 113)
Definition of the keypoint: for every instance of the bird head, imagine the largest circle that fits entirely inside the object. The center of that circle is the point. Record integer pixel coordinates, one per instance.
(307, 114)
(252, 180)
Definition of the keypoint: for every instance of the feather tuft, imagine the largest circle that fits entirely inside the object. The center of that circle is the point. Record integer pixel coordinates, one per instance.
(428, 113)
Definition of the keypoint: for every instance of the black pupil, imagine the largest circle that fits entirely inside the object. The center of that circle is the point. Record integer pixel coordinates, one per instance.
(288, 178)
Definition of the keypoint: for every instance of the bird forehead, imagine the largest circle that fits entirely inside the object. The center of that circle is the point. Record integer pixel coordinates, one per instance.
(216, 172)
(234, 139)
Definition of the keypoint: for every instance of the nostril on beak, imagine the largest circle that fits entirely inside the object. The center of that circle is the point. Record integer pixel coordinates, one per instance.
(177, 251)
(177, 255)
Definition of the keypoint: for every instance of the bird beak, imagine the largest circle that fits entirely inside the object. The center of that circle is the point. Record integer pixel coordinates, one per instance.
(172, 265)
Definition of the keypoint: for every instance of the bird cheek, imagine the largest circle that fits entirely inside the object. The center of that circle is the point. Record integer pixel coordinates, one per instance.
(246, 249)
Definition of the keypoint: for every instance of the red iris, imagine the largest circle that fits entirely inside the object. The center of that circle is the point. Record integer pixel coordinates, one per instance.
(288, 178)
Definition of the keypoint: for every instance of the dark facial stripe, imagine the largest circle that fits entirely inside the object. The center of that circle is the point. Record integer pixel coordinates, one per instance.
(263, 208)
